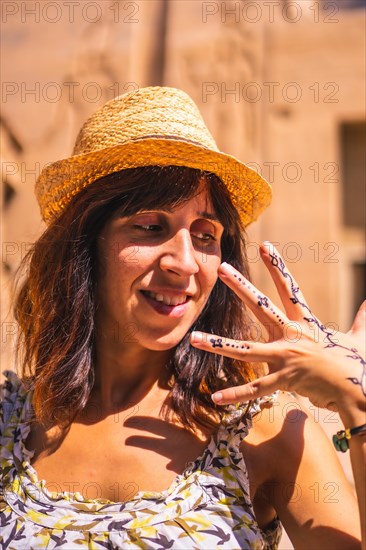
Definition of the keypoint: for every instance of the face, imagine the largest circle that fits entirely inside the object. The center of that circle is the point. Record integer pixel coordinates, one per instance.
(157, 269)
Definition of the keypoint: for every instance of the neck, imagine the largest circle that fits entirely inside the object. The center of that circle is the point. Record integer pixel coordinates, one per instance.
(125, 373)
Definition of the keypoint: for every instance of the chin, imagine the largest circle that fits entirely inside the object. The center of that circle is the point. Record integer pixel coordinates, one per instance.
(160, 347)
(163, 343)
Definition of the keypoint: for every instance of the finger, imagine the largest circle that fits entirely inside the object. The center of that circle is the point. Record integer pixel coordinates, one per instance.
(291, 296)
(253, 390)
(256, 352)
(261, 306)
(359, 324)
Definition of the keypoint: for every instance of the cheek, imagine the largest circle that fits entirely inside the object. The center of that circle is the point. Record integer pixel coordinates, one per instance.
(113, 268)
(209, 273)
(120, 257)
(131, 255)
(124, 265)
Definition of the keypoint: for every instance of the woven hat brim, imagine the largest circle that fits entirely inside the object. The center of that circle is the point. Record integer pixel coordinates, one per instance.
(59, 182)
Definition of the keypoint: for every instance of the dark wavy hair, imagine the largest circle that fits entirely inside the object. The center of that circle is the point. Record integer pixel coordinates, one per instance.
(56, 304)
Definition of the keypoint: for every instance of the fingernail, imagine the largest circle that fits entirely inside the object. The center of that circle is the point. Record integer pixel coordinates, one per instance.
(196, 337)
(226, 268)
(267, 246)
(216, 397)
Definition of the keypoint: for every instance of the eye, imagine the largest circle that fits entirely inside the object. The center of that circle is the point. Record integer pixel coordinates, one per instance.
(147, 228)
(204, 237)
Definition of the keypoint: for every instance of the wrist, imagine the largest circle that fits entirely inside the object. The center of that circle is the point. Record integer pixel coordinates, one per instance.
(353, 413)
(341, 440)
(351, 405)
(352, 419)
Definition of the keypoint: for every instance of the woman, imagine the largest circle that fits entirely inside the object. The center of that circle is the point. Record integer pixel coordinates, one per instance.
(114, 405)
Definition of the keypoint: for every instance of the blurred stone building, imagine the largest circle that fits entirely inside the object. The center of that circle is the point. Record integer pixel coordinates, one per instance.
(281, 85)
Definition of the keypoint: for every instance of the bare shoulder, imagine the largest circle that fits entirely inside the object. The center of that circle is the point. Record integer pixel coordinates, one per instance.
(277, 438)
(296, 471)
(274, 418)
(281, 427)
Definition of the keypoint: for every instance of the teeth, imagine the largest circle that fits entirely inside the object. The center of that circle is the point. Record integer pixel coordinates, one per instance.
(168, 300)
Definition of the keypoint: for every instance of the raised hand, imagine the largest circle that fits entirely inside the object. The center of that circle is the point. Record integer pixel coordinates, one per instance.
(302, 354)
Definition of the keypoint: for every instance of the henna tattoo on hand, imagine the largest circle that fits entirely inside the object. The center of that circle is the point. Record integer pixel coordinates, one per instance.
(216, 342)
(278, 263)
(263, 301)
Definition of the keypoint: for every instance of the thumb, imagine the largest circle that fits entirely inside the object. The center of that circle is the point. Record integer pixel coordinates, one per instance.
(258, 388)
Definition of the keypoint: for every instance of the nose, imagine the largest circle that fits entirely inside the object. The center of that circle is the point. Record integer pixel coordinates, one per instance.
(179, 255)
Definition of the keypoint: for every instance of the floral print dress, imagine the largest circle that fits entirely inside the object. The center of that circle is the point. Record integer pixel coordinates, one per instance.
(207, 507)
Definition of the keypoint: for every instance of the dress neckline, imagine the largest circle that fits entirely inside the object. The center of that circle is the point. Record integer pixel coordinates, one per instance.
(23, 428)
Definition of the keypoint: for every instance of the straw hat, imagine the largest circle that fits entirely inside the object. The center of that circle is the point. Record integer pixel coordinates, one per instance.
(150, 126)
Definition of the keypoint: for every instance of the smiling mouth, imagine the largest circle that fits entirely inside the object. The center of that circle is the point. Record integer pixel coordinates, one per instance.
(166, 300)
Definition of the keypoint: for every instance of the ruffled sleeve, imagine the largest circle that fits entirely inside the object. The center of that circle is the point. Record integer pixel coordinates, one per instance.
(8, 397)
(234, 414)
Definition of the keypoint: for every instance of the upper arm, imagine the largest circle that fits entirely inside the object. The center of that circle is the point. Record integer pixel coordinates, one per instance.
(302, 479)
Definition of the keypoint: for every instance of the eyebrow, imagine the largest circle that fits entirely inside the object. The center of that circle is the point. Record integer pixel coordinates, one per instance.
(209, 216)
(201, 214)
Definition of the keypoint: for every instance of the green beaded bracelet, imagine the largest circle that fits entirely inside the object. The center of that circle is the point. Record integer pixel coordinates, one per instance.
(341, 438)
